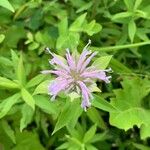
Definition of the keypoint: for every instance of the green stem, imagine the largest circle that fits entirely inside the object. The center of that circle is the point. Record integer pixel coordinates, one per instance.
(118, 47)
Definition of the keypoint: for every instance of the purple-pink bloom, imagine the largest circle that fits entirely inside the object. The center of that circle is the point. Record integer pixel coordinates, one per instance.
(75, 75)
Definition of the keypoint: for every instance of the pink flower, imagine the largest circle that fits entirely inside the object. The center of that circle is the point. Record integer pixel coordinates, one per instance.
(75, 75)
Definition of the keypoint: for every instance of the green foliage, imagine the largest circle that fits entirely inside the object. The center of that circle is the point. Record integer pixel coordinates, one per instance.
(119, 115)
(6, 4)
(128, 103)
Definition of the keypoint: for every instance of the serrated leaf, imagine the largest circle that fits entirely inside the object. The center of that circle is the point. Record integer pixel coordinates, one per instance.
(8, 130)
(145, 131)
(6, 4)
(6, 104)
(128, 103)
(27, 115)
(27, 97)
(6, 83)
(45, 104)
(131, 29)
(102, 62)
(89, 134)
(36, 80)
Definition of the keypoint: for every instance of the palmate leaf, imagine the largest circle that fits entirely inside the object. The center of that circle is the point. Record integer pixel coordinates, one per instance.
(128, 102)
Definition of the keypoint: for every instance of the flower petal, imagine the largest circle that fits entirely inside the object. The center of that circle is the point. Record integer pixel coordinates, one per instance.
(70, 60)
(85, 95)
(58, 85)
(82, 59)
(88, 60)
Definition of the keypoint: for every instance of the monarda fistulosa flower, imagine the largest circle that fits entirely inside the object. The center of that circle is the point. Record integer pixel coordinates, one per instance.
(74, 74)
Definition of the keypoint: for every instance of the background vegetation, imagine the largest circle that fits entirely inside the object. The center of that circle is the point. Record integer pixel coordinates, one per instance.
(120, 115)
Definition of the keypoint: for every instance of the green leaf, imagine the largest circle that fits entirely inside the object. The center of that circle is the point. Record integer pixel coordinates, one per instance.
(6, 4)
(63, 26)
(2, 37)
(21, 71)
(45, 104)
(95, 117)
(6, 104)
(5, 61)
(8, 130)
(69, 40)
(65, 116)
(6, 83)
(119, 67)
(89, 134)
(85, 7)
(92, 28)
(27, 97)
(77, 24)
(128, 103)
(63, 146)
(75, 114)
(36, 80)
(131, 29)
(145, 131)
(101, 137)
(141, 146)
(27, 141)
(15, 59)
(90, 147)
(129, 4)
(100, 103)
(33, 46)
(42, 88)
(27, 115)
(102, 62)
(121, 15)
(137, 4)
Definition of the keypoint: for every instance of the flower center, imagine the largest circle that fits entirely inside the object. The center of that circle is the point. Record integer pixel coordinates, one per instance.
(75, 75)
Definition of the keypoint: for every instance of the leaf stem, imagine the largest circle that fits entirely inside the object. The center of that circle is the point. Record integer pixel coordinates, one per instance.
(118, 47)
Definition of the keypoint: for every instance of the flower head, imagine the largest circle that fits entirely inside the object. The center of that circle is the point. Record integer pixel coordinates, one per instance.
(75, 74)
